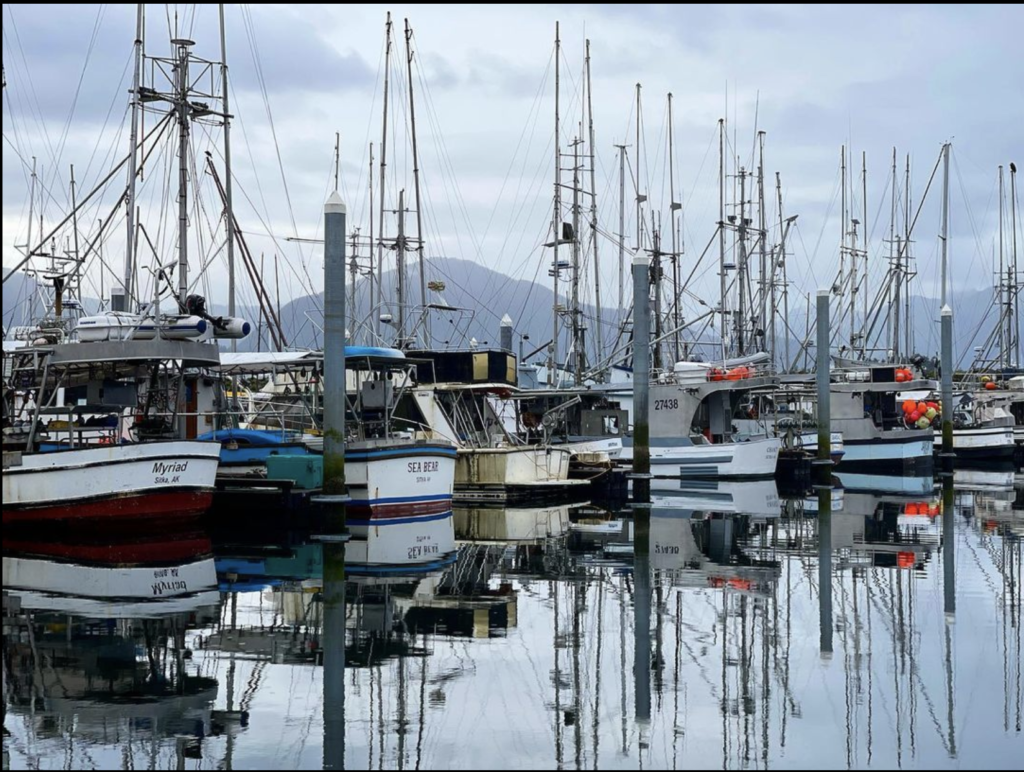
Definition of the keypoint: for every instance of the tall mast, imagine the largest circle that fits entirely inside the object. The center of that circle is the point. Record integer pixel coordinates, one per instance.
(742, 276)
(762, 306)
(31, 209)
(74, 232)
(785, 281)
(183, 130)
(229, 214)
(1001, 288)
(129, 252)
(383, 167)
(897, 270)
(622, 226)
(557, 214)
(864, 251)
(416, 185)
(945, 222)
(908, 326)
(371, 275)
(639, 196)
(400, 258)
(577, 331)
(677, 295)
(599, 339)
(843, 254)
(721, 232)
(1014, 315)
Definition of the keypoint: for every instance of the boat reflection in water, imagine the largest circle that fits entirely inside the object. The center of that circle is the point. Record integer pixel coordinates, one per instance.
(96, 647)
(721, 626)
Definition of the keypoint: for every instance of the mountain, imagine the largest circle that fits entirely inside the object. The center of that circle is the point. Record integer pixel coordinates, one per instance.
(476, 298)
(479, 297)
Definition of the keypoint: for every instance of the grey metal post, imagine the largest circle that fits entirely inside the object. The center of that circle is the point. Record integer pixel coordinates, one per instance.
(641, 373)
(824, 460)
(334, 346)
(947, 390)
(506, 333)
(945, 221)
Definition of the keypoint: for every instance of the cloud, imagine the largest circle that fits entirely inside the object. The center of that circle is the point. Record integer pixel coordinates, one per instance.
(816, 78)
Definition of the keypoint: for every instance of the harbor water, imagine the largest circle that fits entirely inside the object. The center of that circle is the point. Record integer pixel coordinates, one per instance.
(695, 633)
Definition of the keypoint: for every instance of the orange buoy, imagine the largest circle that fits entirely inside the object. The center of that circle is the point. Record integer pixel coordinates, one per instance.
(737, 373)
(991, 386)
(905, 559)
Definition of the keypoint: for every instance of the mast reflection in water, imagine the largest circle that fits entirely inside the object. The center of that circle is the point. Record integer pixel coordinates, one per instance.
(572, 636)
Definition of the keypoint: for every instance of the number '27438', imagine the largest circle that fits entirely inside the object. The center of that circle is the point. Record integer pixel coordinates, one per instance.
(666, 404)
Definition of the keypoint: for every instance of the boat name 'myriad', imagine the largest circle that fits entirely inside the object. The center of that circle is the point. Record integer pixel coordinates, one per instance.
(161, 468)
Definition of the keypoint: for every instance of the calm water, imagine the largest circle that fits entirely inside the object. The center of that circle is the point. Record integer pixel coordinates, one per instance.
(728, 629)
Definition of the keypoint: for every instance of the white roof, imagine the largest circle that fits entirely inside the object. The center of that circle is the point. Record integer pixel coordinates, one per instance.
(266, 361)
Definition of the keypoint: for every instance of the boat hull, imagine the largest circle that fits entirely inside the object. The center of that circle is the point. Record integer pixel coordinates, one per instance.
(512, 467)
(735, 460)
(398, 483)
(995, 443)
(898, 453)
(113, 483)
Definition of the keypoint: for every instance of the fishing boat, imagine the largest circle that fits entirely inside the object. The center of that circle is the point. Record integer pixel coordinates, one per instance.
(393, 477)
(867, 411)
(692, 425)
(102, 412)
(459, 396)
(111, 461)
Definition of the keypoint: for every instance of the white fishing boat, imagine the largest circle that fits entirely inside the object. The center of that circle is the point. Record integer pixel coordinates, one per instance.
(101, 412)
(107, 460)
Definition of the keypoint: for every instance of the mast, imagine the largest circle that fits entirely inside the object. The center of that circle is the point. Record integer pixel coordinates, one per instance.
(1002, 289)
(183, 130)
(416, 185)
(842, 231)
(383, 167)
(31, 209)
(400, 258)
(898, 269)
(556, 221)
(742, 277)
(622, 226)
(372, 275)
(1014, 311)
(228, 182)
(945, 222)
(577, 330)
(762, 313)
(599, 340)
(640, 198)
(864, 252)
(785, 284)
(129, 251)
(721, 234)
(673, 206)
(908, 326)
(854, 281)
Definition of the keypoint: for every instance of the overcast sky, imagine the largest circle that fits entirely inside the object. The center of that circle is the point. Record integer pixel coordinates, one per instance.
(811, 77)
